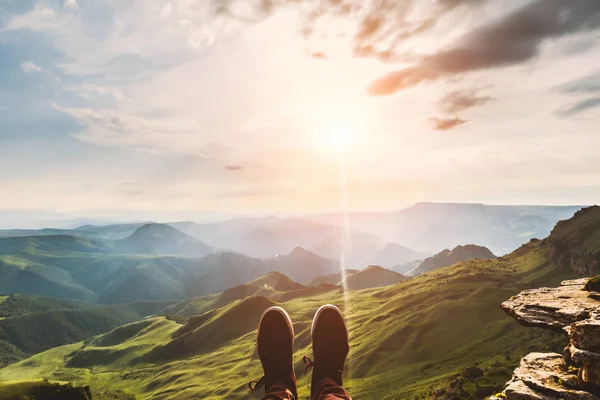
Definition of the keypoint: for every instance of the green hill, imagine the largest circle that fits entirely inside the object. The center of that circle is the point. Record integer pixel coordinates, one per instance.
(277, 281)
(32, 324)
(154, 263)
(407, 340)
(373, 276)
(40, 389)
(21, 304)
(575, 243)
(448, 257)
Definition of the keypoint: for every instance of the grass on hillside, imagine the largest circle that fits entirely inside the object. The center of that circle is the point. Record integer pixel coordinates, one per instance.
(43, 389)
(406, 340)
(58, 322)
(21, 304)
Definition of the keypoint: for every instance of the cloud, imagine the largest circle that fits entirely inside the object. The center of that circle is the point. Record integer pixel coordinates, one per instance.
(445, 124)
(234, 167)
(579, 107)
(71, 4)
(375, 28)
(587, 84)
(461, 100)
(511, 40)
(30, 67)
(319, 55)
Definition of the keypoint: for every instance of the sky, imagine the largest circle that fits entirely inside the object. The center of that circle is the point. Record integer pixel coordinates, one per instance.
(125, 107)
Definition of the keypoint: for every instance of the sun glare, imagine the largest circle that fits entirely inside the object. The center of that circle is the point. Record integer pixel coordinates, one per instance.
(340, 137)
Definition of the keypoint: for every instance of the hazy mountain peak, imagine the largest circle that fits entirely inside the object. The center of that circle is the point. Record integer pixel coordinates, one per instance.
(277, 281)
(373, 276)
(448, 257)
(302, 252)
(155, 238)
(154, 229)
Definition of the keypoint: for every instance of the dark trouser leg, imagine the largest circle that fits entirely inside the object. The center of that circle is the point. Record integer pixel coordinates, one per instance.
(327, 389)
(279, 392)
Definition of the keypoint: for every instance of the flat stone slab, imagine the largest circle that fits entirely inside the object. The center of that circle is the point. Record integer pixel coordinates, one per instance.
(544, 376)
(554, 308)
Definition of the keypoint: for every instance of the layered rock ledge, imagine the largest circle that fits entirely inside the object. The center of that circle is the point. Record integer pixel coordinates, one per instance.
(574, 375)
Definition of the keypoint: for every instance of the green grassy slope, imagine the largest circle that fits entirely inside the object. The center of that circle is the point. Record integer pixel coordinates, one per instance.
(21, 304)
(39, 389)
(406, 339)
(25, 332)
(581, 233)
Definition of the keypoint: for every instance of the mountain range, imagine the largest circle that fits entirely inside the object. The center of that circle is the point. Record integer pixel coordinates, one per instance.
(155, 262)
(440, 324)
(373, 238)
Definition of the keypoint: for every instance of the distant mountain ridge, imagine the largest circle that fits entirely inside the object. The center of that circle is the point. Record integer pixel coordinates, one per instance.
(153, 238)
(424, 227)
(448, 257)
(154, 262)
(430, 227)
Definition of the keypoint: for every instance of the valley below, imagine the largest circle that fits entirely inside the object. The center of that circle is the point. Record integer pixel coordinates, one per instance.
(156, 313)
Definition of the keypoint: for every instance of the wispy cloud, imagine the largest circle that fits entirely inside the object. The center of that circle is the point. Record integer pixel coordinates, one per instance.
(445, 124)
(30, 67)
(179, 95)
(460, 100)
(579, 107)
(514, 39)
(587, 84)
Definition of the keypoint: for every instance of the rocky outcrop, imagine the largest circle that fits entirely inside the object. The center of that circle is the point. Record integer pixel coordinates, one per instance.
(574, 375)
(553, 308)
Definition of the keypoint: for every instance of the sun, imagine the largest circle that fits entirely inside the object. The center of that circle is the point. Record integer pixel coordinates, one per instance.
(339, 136)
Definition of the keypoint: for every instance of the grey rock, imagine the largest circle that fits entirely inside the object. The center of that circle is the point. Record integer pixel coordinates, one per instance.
(544, 376)
(572, 310)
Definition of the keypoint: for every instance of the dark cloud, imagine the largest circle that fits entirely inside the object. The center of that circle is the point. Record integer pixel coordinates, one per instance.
(461, 100)
(380, 25)
(513, 39)
(587, 84)
(579, 107)
(445, 124)
(234, 167)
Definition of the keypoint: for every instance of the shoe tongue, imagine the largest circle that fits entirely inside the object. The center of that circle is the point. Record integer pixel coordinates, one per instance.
(286, 381)
(321, 373)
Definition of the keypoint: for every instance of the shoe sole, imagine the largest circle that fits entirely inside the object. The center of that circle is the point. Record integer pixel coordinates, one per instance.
(318, 313)
(286, 316)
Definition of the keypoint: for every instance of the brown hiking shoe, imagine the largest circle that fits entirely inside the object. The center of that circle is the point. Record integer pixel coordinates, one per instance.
(276, 349)
(330, 346)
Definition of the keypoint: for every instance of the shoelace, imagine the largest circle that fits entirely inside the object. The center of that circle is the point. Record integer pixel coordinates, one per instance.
(255, 385)
(308, 363)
